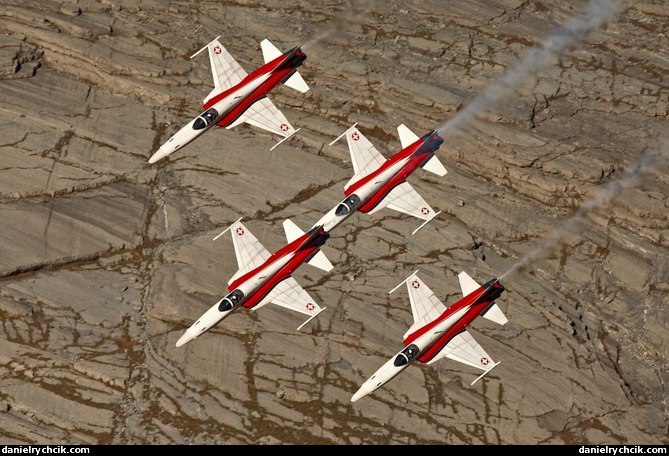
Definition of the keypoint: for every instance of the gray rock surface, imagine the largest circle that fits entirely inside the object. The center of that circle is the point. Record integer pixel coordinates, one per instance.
(104, 260)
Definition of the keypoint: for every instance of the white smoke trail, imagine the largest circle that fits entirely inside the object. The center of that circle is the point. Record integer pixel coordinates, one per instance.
(329, 30)
(341, 20)
(601, 198)
(596, 13)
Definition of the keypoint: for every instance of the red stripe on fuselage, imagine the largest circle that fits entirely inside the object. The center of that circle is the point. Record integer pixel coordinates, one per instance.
(456, 329)
(283, 273)
(467, 300)
(397, 179)
(283, 251)
(266, 68)
(260, 92)
(402, 154)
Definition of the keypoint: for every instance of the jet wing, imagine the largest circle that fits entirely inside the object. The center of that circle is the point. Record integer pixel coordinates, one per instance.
(425, 306)
(224, 68)
(366, 159)
(292, 296)
(263, 114)
(249, 251)
(464, 349)
(404, 198)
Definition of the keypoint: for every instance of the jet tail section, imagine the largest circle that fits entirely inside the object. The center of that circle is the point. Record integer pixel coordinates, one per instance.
(293, 232)
(468, 286)
(271, 52)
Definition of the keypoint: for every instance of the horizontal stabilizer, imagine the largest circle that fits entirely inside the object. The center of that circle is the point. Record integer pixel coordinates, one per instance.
(297, 82)
(407, 137)
(494, 313)
(433, 165)
(292, 231)
(467, 284)
(320, 261)
(269, 51)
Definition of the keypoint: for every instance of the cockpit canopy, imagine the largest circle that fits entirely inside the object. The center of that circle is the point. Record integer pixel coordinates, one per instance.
(231, 301)
(349, 204)
(205, 119)
(405, 356)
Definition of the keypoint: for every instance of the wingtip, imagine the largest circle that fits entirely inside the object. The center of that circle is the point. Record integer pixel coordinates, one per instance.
(425, 223)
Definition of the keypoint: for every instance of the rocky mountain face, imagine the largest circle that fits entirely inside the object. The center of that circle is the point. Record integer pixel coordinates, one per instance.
(105, 260)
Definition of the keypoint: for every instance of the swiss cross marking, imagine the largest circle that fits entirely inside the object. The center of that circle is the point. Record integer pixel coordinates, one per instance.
(217, 50)
(284, 127)
(415, 284)
(310, 306)
(485, 361)
(240, 231)
(425, 211)
(355, 136)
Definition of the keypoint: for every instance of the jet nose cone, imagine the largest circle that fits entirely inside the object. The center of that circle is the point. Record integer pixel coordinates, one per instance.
(362, 392)
(184, 339)
(159, 155)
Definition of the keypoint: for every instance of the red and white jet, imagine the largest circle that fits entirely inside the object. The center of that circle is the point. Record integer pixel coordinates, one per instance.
(240, 97)
(265, 278)
(380, 183)
(440, 332)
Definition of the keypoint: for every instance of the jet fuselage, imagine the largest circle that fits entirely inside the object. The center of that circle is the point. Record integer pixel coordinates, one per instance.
(366, 193)
(225, 108)
(250, 289)
(426, 342)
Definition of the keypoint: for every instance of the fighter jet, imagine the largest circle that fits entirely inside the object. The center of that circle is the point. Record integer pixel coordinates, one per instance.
(440, 332)
(265, 278)
(239, 97)
(379, 183)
